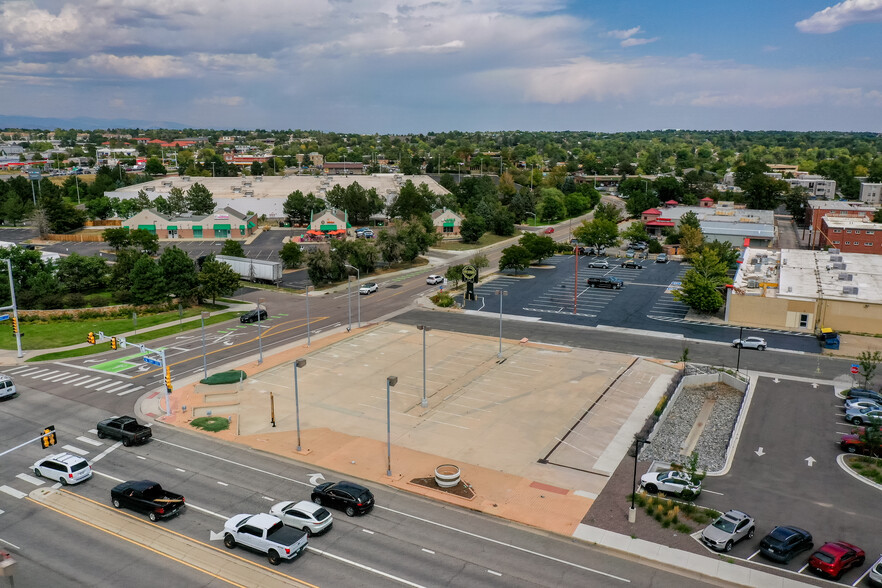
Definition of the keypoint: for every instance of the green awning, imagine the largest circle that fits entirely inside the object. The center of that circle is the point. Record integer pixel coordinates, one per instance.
(250, 225)
(449, 222)
(241, 227)
(197, 227)
(221, 227)
(328, 227)
(171, 228)
(150, 228)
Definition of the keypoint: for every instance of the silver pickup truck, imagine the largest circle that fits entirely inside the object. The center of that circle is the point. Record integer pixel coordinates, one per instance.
(265, 534)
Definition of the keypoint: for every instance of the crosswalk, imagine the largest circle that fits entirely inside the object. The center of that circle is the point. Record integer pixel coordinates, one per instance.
(99, 383)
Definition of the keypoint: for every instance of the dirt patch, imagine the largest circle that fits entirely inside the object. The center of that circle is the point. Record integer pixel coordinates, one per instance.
(461, 490)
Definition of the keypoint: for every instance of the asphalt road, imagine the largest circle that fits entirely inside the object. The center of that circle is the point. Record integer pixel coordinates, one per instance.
(405, 539)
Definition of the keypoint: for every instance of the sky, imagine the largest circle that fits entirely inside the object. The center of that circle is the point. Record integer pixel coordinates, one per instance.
(417, 66)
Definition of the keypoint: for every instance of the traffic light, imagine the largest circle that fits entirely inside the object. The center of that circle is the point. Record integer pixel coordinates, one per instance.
(14, 326)
(168, 383)
(48, 437)
(113, 343)
(91, 337)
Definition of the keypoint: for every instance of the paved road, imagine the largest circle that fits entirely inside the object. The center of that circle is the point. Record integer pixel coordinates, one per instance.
(405, 539)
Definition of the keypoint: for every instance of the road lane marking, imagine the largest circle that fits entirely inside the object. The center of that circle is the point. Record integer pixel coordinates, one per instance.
(13, 545)
(101, 455)
(429, 551)
(364, 567)
(30, 479)
(117, 389)
(57, 377)
(77, 379)
(76, 450)
(368, 531)
(802, 569)
(87, 381)
(111, 384)
(494, 573)
(222, 483)
(90, 441)
(20, 369)
(751, 556)
(180, 470)
(124, 392)
(12, 492)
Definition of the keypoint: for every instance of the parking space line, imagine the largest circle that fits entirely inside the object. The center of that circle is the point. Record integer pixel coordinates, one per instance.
(753, 554)
(800, 570)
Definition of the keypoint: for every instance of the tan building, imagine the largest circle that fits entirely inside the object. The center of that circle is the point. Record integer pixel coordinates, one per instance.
(329, 221)
(805, 290)
(221, 224)
(447, 222)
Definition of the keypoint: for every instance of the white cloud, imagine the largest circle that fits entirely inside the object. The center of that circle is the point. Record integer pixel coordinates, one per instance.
(841, 15)
(147, 67)
(634, 42)
(221, 101)
(623, 34)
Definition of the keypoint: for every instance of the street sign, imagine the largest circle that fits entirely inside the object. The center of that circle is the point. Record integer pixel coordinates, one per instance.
(4, 317)
(34, 175)
(469, 272)
(152, 361)
(855, 368)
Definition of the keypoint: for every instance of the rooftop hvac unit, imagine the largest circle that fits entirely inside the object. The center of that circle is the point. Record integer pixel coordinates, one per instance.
(753, 283)
(849, 289)
(835, 258)
(834, 252)
(789, 288)
(150, 189)
(839, 266)
(185, 178)
(249, 192)
(237, 190)
(246, 183)
(167, 183)
(258, 179)
(846, 277)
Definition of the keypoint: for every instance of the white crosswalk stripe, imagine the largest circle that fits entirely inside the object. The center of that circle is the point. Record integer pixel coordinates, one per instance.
(128, 391)
(90, 380)
(57, 377)
(30, 479)
(69, 379)
(28, 371)
(20, 369)
(78, 379)
(117, 389)
(12, 492)
(47, 376)
(110, 385)
(90, 441)
(100, 382)
(76, 450)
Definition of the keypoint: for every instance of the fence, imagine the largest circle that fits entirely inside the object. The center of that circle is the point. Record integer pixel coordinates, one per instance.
(104, 223)
(80, 237)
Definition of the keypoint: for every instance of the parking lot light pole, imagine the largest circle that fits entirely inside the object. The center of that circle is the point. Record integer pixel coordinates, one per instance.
(390, 381)
(297, 364)
(500, 293)
(358, 303)
(259, 331)
(204, 316)
(632, 512)
(425, 401)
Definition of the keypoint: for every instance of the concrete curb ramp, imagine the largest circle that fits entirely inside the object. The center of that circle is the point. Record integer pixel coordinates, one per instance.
(216, 562)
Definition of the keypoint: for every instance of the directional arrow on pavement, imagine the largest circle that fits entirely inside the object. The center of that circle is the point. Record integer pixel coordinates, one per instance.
(810, 460)
(760, 452)
(314, 479)
(777, 381)
(212, 536)
(815, 385)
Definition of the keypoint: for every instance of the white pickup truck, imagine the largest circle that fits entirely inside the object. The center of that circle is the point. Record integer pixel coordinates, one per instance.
(265, 534)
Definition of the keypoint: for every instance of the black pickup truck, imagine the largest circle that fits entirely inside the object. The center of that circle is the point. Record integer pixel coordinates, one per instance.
(125, 429)
(605, 282)
(146, 496)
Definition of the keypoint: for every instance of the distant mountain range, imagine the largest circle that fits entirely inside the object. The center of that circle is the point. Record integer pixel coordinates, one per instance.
(83, 122)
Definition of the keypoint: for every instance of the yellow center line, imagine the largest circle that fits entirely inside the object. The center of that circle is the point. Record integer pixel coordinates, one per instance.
(171, 557)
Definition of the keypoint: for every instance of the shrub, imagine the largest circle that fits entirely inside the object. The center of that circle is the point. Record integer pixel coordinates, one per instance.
(683, 528)
(443, 299)
(75, 300)
(212, 423)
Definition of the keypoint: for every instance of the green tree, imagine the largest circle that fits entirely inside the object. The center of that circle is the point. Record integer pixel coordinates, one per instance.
(636, 232)
(359, 253)
(200, 200)
(641, 201)
(116, 238)
(154, 167)
(148, 286)
(608, 211)
(539, 247)
(600, 232)
(515, 257)
(576, 204)
(472, 229)
(179, 274)
(412, 201)
(668, 188)
(321, 268)
(14, 210)
(60, 216)
(454, 274)
(701, 285)
(217, 279)
(480, 261)
(291, 255)
(796, 202)
(99, 208)
(232, 248)
(295, 207)
(690, 219)
(79, 273)
(691, 240)
(869, 363)
(551, 204)
(177, 202)
(144, 241)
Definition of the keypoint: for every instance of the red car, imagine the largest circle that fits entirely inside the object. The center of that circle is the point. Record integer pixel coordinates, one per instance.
(549, 230)
(854, 444)
(834, 558)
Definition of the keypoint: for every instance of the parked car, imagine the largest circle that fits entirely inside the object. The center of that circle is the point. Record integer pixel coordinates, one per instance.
(631, 264)
(601, 263)
(864, 393)
(785, 542)
(265, 533)
(252, 316)
(368, 234)
(63, 467)
(435, 279)
(307, 516)
(7, 387)
(589, 251)
(835, 557)
(629, 254)
(673, 482)
(875, 575)
(146, 496)
(610, 282)
(661, 258)
(125, 429)
(639, 245)
(549, 230)
(859, 416)
(750, 343)
(730, 528)
(851, 403)
(854, 444)
(349, 497)
(368, 288)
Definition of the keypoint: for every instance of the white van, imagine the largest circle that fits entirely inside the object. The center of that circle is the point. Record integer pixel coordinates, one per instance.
(7, 386)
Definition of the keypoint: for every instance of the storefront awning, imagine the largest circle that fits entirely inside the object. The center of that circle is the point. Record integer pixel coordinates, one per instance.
(221, 227)
(328, 227)
(171, 228)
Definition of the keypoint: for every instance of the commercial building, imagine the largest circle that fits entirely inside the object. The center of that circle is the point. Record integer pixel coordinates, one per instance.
(871, 193)
(805, 290)
(723, 221)
(447, 222)
(851, 235)
(818, 209)
(815, 186)
(222, 224)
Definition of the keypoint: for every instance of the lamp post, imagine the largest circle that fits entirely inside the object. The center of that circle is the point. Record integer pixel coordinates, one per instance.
(740, 338)
(204, 316)
(297, 364)
(349, 300)
(632, 512)
(425, 401)
(390, 381)
(460, 173)
(259, 331)
(358, 303)
(307, 315)
(500, 293)
(212, 169)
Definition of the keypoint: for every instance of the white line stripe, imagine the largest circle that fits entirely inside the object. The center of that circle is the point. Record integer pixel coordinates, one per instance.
(180, 470)
(140, 457)
(112, 383)
(93, 431)
(78, 379)
(100, 382)
(58, 377)
(30, 479)
(105, 452)
(429, 551)
(206, 511)
(223, 483)
(69, 378)
(28, 371)
(367, 531)
(117, 389)
(128, 391)
(51, 374)
(20, 369)
(494, 573)
(268, 498)
(88, 381)
(90, 441)
(39, 375)
(12, 492)
(366, 568)
(13, 545)
(76, 450)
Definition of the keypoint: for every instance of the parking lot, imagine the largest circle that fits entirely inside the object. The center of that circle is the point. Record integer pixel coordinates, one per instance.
(785, 472)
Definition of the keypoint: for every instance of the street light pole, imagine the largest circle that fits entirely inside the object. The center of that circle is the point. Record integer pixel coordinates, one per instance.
(740, 338)
(632, 512)
(307, 315)
(349, 300)
(425, 401)
(204, 316)
(390, 381)
(259, 331)
(500, 293)
(14, 308)
(297, 364)
(358, 300)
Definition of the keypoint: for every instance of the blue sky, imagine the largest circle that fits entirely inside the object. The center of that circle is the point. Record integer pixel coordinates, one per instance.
(395, 66)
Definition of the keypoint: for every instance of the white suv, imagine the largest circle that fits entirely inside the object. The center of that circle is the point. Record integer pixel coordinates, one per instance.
(434, 279)
(64, 467)
(7, 387)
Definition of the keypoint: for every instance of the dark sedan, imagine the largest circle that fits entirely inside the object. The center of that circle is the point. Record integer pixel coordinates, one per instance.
(784, 543)
(631, 264)
(252, 316)
(349, 497)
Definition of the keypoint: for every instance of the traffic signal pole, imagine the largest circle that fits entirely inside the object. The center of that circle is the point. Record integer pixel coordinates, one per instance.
(14, 309)
(48, 433)
(119, 341)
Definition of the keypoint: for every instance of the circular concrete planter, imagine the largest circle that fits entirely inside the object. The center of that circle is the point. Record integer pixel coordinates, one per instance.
(447, 476)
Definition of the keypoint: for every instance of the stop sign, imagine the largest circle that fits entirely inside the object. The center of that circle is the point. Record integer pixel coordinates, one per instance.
(854, 368)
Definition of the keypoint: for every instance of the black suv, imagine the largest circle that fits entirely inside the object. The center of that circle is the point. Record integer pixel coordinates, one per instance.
(784, 543)
(605, 282)
(349, 497)
(864, 393)
(631, 264)
(252, 316)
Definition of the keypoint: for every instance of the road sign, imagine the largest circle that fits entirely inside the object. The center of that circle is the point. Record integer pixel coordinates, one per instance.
(855, 368)
(34, 175)
(152, 360)
(4, 317)
(469, 272)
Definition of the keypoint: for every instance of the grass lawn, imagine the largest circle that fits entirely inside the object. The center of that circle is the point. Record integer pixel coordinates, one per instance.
(143, 338)
(45, 335)
(486, 239)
